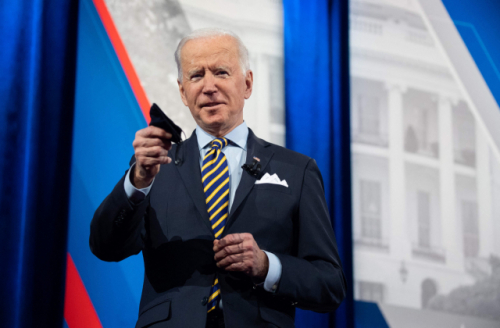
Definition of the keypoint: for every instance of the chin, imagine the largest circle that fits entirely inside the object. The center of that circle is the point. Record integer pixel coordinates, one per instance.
(214, 121)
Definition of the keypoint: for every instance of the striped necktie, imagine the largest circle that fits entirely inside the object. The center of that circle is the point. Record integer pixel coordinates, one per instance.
(215, 179)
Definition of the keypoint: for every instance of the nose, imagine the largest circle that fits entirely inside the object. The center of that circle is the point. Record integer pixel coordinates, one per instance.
(209, 86)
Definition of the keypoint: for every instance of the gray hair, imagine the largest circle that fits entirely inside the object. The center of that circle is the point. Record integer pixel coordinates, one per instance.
(210, 33)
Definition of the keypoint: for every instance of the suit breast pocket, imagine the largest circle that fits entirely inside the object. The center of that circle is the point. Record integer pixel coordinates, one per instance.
(272, 201)
(268, 214)
(272, 187)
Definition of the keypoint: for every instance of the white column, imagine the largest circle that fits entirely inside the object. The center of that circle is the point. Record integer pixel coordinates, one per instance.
(495, 181)
(452, 235)
(399, 292)
(400, 244)
(261, 86)
(484, 196)
(250, 114)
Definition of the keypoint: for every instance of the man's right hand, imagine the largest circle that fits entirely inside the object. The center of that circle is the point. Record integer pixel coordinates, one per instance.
(151, 146)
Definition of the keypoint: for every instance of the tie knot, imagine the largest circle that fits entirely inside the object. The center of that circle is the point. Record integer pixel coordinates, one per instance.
(219, 143)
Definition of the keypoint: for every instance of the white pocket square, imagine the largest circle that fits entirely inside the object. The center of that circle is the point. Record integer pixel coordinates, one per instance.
(272, 179)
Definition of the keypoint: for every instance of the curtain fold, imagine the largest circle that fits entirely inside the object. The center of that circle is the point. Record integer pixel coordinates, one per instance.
(37, 62)
(317, 119)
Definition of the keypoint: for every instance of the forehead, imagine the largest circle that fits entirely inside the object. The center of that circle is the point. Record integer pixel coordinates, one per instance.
(210, 50)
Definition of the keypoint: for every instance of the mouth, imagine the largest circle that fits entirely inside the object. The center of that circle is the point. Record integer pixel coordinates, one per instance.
(211, 105)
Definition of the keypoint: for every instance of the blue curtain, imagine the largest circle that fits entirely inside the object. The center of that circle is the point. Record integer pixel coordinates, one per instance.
(317, 119)
(37, 65)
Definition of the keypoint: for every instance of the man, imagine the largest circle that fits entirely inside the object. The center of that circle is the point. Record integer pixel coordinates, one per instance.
(222, 246)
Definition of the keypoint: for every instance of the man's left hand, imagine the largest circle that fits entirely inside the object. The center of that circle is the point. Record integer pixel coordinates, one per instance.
(240, 252)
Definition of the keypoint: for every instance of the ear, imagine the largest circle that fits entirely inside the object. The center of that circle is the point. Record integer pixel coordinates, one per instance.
(182, 92)
(248, 84)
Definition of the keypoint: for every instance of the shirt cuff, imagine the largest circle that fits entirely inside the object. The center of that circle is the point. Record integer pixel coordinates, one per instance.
(273, 274)
(135, 195)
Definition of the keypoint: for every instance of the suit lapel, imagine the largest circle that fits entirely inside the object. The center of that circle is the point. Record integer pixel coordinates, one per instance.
(258, 148)
(189, 169)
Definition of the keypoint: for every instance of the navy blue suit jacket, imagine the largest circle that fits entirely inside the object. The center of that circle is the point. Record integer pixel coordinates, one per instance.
(171, 227)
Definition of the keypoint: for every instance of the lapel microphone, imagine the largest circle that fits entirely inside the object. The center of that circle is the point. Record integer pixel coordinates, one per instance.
(254, 168)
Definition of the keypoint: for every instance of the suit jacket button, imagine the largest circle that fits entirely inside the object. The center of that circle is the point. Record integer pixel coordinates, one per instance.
(204, 300)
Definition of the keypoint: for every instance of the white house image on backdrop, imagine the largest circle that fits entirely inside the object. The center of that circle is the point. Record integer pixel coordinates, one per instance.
(426, 165)
(152, 29)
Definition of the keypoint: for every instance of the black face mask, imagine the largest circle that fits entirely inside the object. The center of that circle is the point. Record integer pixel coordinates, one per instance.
(160, 120)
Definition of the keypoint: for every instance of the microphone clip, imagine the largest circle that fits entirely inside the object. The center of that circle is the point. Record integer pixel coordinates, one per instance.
(254, 168)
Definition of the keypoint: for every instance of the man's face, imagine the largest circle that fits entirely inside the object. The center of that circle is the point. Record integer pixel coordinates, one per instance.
(213, 85)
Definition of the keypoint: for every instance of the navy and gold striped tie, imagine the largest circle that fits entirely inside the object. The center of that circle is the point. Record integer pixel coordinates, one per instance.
(215, 179)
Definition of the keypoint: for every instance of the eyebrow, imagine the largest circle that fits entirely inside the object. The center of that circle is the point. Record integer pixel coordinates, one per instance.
(199, 70)
(221, 67)
(194, 71)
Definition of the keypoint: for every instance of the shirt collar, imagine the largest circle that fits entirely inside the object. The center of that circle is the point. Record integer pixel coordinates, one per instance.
(238, 136)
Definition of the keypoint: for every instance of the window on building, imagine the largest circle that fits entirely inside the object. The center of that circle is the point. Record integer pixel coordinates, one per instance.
(417, 132)
(371, 210)
(371, 291)
(424, 219)
(470, 224)
(369, 114)
(421, 123)
(464, 136)
(423, 128)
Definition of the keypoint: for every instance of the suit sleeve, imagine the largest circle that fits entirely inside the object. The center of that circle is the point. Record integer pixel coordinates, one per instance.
(117, 228)
(312, 278)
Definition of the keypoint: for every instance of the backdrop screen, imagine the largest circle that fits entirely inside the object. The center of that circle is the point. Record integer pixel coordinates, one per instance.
(425, 168)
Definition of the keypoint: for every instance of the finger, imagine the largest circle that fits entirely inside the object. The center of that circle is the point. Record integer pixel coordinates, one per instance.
(231, 239)
(151, 161)
(216, 245)
(151, 142)
(229, 250)
(228, 260)
(237, 267)
(155, 151)
(153, 132)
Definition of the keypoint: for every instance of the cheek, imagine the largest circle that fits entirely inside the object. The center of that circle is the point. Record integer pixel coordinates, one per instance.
(240, 100)
(195, 114)
(192, 94)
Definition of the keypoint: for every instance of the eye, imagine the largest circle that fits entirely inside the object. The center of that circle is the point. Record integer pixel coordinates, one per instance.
(222, 73)
(196, 76)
